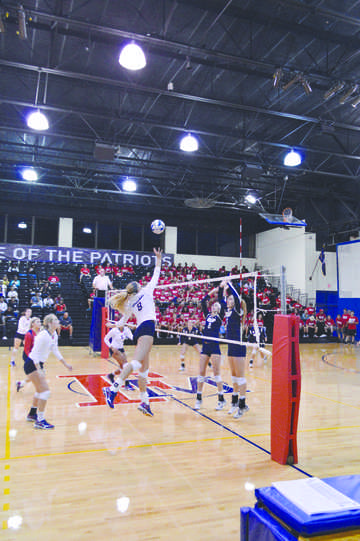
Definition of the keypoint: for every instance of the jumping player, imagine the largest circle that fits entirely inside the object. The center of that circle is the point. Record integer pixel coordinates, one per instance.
(139, 301)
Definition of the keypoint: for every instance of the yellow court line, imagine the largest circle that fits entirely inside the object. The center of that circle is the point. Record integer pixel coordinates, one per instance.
(332, 400)
(7, 436)
(140, 446)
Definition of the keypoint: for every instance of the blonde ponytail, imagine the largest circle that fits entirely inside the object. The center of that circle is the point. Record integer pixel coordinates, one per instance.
(118, 301)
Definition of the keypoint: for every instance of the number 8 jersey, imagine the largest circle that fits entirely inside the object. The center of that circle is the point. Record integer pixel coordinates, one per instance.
(142, 303)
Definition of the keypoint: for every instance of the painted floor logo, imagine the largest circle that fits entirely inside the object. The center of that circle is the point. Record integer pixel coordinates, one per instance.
(91, 385)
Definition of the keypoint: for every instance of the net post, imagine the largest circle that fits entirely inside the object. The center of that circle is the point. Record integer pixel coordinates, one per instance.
(283, 289)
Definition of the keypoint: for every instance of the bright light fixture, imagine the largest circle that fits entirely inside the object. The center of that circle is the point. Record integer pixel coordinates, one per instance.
(292, 159)
(129, 185)
(132, 57)
(251, 199)
(22, 225)
(37, 121)
(29, 174)
(189, 143)
(87, 230)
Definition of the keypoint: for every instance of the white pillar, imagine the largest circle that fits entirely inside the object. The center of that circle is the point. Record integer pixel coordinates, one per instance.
(170, 240)
(65, 232)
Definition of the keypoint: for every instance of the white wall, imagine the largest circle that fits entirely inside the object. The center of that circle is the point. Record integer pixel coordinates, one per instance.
(210, 262)
(65, 232)
(278, 247)
(296, 250)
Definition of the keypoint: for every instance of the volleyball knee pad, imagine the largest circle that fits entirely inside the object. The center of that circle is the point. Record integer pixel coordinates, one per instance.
(135, 365)
(144, 374)
(234, 379)
(200, 379)
(241, 381)
(217, 379)
(45, 395)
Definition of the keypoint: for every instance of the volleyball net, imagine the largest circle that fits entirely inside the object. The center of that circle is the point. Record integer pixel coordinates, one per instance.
(178, 302)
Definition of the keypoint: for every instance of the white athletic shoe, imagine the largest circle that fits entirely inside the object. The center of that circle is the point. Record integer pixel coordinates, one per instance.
(182, 369)
(220, 405)
(233, 409)
(198, 404)
(240, 412)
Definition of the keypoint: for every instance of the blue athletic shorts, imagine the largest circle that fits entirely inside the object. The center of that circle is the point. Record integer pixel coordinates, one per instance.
(235, 350)
(210, 348)
(146, 328)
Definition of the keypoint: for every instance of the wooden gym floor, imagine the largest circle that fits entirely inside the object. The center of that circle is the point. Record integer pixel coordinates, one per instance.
(181, 475)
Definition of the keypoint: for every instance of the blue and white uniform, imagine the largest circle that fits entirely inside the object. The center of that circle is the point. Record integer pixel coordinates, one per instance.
(211, 328)
(115, 338)
(142, 306)
(233, 322)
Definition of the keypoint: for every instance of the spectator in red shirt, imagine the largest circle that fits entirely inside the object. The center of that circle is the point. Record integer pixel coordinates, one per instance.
(84, 271)
(310, 327)
(351, 328)
(345, 318)
(339, 327)
(54, 281)
(329, 326)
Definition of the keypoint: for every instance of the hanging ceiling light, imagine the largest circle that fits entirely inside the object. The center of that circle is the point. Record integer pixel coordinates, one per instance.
(277, 77)
(132, 57)
(251, 198)
(355, 102)
(37, 121)
(22, 225)
(87, 230)
(334, 90)
(189, 143)
(306, 86)
(29, 174)
(292, 159)
(347, 94)
(129, 185)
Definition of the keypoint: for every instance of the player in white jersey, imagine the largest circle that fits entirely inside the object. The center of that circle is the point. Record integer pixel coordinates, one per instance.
(114, 340)
(22, 329)
(138, 301)
(45, 342)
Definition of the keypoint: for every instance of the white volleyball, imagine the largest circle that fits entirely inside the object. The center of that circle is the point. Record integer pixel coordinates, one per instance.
(157, 227)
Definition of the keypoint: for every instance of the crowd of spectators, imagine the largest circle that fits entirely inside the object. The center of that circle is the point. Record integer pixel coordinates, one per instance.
(43, 296)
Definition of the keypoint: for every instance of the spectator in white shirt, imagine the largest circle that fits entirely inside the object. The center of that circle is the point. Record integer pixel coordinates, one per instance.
(101, 284)
(45, 342)
(12, 293)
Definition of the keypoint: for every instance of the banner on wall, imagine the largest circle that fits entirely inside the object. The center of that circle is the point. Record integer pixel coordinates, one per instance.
(23, 252)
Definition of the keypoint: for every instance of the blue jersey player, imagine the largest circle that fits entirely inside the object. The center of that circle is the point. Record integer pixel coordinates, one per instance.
(211, 348)
(235, 315)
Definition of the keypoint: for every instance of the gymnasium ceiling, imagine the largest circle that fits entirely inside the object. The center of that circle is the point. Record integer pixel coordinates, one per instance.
(220, 57)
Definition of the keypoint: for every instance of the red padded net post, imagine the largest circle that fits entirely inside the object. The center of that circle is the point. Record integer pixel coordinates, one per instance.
(104, 330)
(286, 388)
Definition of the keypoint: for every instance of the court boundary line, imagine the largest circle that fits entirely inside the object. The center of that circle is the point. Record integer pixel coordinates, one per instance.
(239, 436)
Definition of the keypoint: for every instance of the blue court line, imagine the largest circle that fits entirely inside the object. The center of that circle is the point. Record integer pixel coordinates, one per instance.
(350, 370)
(72, 390)
(236, 434)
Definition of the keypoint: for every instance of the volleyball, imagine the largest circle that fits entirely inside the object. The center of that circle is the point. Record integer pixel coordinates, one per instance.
(157, 227)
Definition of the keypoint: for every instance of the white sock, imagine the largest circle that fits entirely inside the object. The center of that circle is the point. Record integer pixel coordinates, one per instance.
(40, 415)
(144, 397)
(117, 383)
